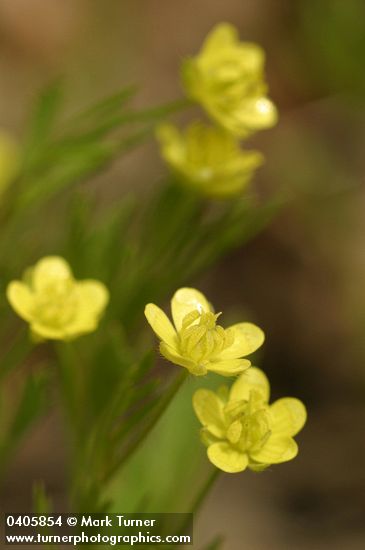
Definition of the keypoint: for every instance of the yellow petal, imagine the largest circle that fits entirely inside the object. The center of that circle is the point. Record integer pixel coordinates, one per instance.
(93, 297)
(257, 113)
(172, 355)
(251, 115)
(226, 458)
(253, 56)
(51, 269)
(255, 467)
(229, 367)
(21, 299)
(161, 325)
(252, 379)
(209, 410)
(222, 35)
(277, 449)
(45, 332)
(288, 416)
(186, 300)
(247, 339)
(172, 145)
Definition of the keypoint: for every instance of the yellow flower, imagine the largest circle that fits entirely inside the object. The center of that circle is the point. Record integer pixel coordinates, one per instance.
(196, 342)
(242, 430)
(9, 160)
(227, 79)
(208, 159)
(55, 305)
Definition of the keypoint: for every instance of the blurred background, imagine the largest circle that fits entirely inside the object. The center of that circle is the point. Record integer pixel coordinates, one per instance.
(302, 279)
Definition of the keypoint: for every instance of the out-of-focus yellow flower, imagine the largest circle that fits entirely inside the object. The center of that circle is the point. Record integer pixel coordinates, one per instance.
(55, 305)
(196, 342)
(208, 159)
(242, 430)
(227, 79)
(9, 160)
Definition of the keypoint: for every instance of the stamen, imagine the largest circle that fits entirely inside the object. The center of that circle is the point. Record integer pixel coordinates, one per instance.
(201, 339)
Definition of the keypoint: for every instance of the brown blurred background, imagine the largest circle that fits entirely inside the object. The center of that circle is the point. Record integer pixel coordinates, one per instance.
(302, 279)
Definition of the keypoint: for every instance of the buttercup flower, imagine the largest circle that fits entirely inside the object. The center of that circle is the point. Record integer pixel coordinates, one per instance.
(9, 160)
(227, 79)
(242, 430)
(197, 342)
(55, 305)
(208, 159)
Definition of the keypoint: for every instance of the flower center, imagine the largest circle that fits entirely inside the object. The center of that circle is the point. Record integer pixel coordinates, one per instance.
(248, 423)
(56, 303)
(201, 339)
(255, 431)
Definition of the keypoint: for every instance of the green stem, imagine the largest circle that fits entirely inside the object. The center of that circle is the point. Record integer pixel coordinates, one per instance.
(201, 497)
(20, 348)
(67, 382)
(161, 409)
(205, 490)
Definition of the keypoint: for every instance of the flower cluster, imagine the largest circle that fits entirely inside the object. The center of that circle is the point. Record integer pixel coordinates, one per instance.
(240, 428)
(227, 79)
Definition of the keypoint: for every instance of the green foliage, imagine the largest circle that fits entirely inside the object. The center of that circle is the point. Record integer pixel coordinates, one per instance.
(332, 34)
(30, 407)
(41, 502)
